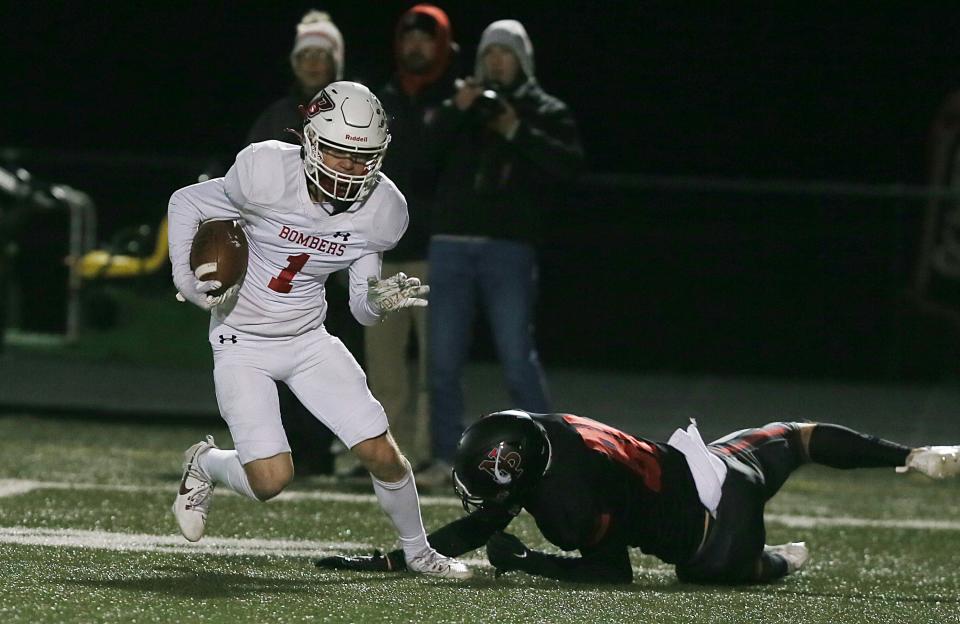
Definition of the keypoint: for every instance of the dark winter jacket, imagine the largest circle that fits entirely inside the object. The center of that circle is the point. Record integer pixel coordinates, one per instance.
(489, 186)
(412, 102)
(409, 162)
(499, 188)
(276, 118)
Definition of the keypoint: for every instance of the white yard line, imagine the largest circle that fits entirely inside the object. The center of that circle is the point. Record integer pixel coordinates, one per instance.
(16, 487)
(809, 522)
(141, 542)
(344, 497)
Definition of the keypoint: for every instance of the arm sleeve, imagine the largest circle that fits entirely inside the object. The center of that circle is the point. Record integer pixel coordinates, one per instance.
(467, 533)
(189, 207)
(610, 564)
(367, 265)
(470, 532)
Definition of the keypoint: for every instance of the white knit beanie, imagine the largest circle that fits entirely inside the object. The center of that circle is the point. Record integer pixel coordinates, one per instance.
(316, 30)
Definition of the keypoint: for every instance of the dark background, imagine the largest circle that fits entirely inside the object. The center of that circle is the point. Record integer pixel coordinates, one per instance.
(689, 281)
(840, 90)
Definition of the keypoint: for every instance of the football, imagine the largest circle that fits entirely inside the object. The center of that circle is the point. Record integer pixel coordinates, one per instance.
(219, 251)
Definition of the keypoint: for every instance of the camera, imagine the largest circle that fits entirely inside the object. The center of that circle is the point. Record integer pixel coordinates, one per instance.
(487, 106)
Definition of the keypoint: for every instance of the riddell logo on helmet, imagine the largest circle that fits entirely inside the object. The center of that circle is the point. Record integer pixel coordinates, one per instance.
(360, 139)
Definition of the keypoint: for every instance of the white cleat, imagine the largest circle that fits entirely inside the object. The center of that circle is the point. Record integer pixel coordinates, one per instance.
(937, 462)
(432, 563)
(794, 553)
(196, 492)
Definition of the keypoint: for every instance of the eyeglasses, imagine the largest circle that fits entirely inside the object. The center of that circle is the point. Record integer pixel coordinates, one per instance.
(354, 157)
(313, 54)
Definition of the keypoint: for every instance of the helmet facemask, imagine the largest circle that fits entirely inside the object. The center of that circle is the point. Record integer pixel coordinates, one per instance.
(468, 500)
(336, 184)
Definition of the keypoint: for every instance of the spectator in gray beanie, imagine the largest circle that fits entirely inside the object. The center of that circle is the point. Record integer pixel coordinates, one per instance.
(511, 35)
(507, 151)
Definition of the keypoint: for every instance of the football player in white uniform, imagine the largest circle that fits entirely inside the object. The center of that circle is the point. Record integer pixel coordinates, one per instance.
(307, 212)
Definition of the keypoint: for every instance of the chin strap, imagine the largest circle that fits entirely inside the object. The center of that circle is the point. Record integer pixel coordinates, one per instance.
(296, 133)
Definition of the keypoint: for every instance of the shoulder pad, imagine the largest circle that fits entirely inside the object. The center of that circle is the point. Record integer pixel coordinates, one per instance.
(260, 167)
(391, 218)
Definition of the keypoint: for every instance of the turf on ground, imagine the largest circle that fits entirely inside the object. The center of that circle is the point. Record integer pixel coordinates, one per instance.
(86, 535)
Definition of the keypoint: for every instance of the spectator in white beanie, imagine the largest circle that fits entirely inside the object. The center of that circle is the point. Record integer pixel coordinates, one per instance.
(316, 60)
(317, 35)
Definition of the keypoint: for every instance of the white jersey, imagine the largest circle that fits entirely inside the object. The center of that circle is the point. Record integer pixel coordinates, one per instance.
(294, 242)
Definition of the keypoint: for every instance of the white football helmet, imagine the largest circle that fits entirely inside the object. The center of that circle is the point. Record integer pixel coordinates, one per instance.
(346, 120)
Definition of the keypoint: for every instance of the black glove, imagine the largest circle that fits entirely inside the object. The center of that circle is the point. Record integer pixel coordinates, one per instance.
(377, 562)
(506, 552)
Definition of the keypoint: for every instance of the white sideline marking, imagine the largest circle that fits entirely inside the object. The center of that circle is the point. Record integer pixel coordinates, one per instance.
(809, 522)
(343, 497)
(16, 487)
(141, 542)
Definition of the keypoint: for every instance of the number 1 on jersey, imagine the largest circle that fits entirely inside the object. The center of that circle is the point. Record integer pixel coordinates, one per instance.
(282, 283)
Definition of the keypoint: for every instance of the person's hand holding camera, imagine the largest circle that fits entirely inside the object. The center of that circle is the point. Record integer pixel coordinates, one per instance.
(486, 106)
(468, 90)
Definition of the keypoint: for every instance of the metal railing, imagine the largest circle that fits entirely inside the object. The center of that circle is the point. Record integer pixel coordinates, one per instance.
(20, 186)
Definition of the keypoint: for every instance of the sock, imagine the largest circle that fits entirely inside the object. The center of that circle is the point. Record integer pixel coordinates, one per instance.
(224, 467)
(402, 504)
(839, 447)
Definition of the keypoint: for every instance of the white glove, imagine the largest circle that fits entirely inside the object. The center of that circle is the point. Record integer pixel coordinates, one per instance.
(396, 292)
(196, 293)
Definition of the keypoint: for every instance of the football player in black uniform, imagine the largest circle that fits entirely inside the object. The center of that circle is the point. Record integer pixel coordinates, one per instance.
(596, 489)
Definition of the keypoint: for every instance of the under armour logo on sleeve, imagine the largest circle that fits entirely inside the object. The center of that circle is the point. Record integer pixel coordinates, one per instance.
(231, 338)
(343, 235)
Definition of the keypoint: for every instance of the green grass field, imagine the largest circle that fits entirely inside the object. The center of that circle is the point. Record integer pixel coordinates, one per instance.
(86, 535)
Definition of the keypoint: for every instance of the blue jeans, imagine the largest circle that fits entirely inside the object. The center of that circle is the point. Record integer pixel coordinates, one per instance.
(502, 275)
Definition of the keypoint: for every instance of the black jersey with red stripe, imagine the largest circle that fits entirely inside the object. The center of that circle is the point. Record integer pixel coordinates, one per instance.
(605, 486)
(604, 491)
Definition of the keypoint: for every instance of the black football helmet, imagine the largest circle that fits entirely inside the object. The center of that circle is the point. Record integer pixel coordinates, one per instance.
(500, 457)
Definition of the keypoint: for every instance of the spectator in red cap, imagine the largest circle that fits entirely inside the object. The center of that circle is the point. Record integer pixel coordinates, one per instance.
(425, 56)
